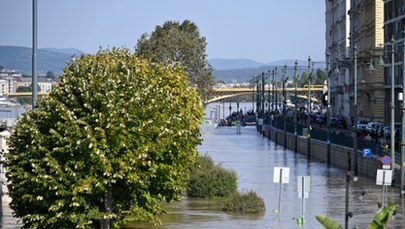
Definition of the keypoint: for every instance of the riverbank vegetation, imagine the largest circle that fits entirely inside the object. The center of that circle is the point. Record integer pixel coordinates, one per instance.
(246, 202)
(208, 180)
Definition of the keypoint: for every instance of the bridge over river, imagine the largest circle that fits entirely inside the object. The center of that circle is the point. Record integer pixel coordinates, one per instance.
(302, 92)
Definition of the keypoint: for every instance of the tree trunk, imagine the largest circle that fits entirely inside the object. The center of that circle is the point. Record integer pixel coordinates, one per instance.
(106, 223)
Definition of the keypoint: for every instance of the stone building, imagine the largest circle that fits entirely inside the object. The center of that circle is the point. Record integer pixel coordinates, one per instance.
(394, 26)
(354, 33)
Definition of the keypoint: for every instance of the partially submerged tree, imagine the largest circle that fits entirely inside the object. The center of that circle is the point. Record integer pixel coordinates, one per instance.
(113, 140)
(174, 42)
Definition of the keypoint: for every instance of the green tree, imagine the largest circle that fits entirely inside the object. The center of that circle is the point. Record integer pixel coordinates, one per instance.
(28, 99)
(320, 77)
(50, 74)
(180, 43)
(24, 100)
(113, 140)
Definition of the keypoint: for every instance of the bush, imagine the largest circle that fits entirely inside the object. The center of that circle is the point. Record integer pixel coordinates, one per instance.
(247, 202)
(208, 180)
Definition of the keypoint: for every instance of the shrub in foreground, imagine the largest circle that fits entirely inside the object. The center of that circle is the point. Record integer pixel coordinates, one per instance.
(208, 180)
(247, 202)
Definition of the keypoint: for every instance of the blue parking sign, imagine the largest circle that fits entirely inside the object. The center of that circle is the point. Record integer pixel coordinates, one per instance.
(367, 152)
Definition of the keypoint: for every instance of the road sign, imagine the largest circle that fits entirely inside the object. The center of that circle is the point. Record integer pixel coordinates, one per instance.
(384, 177)
(386, 160)
(237, 123)
(207, 122)
(303, 186)
(367, 152)
(281, 175)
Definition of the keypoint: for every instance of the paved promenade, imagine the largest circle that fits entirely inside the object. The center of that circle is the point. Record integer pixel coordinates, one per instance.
(7, 220)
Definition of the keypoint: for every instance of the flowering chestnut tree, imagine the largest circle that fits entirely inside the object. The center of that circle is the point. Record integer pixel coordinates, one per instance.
(113, 140)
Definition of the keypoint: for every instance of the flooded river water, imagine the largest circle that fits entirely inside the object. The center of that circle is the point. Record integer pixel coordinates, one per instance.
(254, 158)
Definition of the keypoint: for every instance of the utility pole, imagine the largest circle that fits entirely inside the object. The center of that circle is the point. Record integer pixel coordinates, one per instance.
(34, 53)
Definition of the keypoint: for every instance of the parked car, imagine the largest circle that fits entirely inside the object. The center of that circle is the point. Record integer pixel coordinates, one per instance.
(372, 127)
(380, 131)
(361, 126)
(387, 130)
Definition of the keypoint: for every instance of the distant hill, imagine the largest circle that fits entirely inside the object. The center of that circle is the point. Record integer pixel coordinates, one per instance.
(225, 64)
(228, 70)
(49, 59)
(236, 70)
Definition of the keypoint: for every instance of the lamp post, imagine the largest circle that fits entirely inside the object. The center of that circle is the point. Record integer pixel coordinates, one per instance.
(273, 98)
(276, 103)
(402, 191)
(354, 132)
(34, 53)
(253, 94)
(262, 95)
(268, 90)
(284, 79)
(328, 111)
(348, 176)
(1, 179)
(355, 114)
(309, 108)
(295, 106)
(392, 105)
(257, 104)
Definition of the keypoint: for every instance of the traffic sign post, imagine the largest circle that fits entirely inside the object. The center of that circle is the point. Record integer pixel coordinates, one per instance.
(386, 161)
(208, 125)
(384, 178)
(303, 188)
(281, 176)
(367, 153)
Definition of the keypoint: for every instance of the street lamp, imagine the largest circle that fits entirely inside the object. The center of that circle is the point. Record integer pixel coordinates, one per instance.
(1, 179)
(276, 102)
(402, 191)
(348, 178)
(269, 92)
(309, 107)
(295, 106)
(392, 105)
(328, 112)
(354, 133)
(262, 95)
(284, 81)
(355, 113)
(257, 104)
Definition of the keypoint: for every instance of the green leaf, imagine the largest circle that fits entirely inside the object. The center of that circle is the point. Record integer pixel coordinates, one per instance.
(328, 222)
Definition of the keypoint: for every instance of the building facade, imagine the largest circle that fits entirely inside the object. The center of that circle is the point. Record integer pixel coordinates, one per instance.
(337, 45)
(367, 31)
(359, 47)
(394, 26)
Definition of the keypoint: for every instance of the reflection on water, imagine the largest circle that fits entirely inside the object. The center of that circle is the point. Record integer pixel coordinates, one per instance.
(253, 158)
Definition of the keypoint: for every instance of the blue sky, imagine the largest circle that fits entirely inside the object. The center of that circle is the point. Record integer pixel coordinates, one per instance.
(260, 30)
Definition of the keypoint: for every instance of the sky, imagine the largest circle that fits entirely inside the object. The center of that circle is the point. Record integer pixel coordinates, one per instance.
(260, 30)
